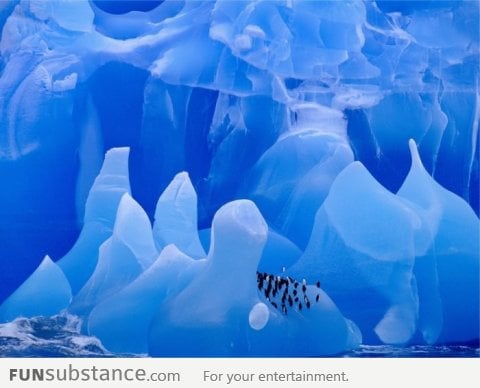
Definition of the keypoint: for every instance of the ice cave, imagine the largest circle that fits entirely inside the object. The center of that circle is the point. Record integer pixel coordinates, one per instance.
(241, 178)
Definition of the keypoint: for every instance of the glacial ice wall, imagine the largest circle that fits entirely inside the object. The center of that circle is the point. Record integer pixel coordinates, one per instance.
(337, 141)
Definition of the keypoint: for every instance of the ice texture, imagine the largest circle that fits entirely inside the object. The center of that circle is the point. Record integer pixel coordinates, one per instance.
(100, 214)
(362, 247)
(121, 258)
(173, 158)
(46, 292)
(292, 178)
(69, 14)
(447, 267)
(221, 310)
(123, 320)
(222, 293)
(176, 217)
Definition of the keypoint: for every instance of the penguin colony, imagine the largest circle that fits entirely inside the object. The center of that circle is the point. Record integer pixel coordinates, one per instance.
(285, 293)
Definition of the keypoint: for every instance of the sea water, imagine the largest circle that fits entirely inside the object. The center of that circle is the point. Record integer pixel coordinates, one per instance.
(60, 336)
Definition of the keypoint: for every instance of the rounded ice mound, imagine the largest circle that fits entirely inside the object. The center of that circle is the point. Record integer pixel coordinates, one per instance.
(311, 326)
(292, 178)
(210, 316)
(222, 311)
(238, 224)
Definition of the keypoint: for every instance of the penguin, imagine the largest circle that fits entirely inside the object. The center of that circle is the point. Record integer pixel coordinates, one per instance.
(260, 284)
(267, 290)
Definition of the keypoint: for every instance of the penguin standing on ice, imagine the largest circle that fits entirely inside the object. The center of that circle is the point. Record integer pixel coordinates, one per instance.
(277, 291)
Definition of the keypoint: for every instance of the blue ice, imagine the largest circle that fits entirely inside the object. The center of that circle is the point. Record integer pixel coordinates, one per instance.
(158, 159)
(46, 292)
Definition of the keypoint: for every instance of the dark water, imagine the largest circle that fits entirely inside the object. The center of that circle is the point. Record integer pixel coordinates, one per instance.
(60, 336)
(415, 351)
(57, 336)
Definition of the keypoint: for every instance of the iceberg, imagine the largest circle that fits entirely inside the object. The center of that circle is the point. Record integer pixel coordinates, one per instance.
(121, 258)
(221, 293)
(292, 178)
(208, 178)
(362, 249)
(46, 292)
(176, 217)
(447, 266)
(278, 254)
(101, 207)
(123, 320)
(206, 317)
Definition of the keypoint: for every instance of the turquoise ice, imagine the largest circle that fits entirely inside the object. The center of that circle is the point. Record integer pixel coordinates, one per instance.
(174, 159)
(46, 292)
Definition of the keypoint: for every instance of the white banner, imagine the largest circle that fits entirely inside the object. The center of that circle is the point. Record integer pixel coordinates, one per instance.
(245, 372)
